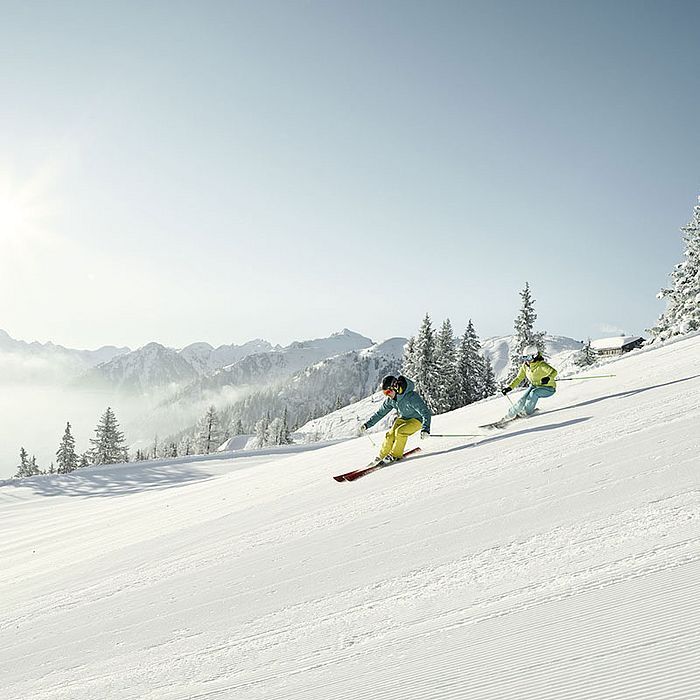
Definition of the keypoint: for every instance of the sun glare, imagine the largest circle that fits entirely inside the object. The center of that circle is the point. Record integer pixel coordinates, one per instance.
(13, 217)
(23, 207)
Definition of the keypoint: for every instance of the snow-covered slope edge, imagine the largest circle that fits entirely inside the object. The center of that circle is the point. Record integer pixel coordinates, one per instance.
(559, 559)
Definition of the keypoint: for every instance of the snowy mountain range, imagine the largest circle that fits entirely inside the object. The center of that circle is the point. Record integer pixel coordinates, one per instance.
(152, 366)
(156, 367)
(21, 361)
(206, 359)
(262, 369)
(200, 370)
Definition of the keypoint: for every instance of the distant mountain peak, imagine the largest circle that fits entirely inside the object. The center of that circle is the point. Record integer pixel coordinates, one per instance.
(198, 347)
(153, 347)
(347, 333)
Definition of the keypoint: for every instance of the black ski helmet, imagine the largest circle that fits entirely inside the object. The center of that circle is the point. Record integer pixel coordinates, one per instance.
(401, 384)
(389, 382)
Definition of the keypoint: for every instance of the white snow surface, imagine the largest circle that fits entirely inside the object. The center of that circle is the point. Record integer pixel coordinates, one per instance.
(559, 558)
(344, 422)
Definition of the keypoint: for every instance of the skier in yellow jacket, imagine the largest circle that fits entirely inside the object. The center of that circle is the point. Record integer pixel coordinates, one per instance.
(542, 383)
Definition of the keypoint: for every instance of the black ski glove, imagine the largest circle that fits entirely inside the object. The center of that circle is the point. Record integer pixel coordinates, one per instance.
(545, 380)
(505, 390)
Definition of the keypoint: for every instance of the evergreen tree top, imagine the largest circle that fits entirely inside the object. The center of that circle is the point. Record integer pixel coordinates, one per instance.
(682, 314)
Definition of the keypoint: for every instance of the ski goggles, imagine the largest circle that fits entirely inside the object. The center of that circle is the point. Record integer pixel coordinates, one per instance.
(387, 392)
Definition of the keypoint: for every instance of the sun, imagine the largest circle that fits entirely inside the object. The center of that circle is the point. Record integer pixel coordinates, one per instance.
(27, 211)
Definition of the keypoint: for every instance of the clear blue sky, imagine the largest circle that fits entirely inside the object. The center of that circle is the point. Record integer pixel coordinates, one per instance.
(182, 171)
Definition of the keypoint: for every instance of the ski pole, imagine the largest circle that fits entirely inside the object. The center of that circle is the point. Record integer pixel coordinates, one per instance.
(458, 436)
(512, 404)
(578, 379)
(374, 444)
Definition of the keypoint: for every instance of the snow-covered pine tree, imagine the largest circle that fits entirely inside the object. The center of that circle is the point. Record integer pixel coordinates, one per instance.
(66, 457)
(470, 367)
(588, 356)
(238, 427)
(209, 433)
(525, 334)
(425, 369)
(285, 437)
(278, 431)
(84, 461)
(446, 394)
(408, 364)
(186, 446)
(23, 467)
(274, 431)
(261, 430)
(108, 445)
(489, 388)
(164, 449)
(33, 467)
(464, 373)
(682, 314)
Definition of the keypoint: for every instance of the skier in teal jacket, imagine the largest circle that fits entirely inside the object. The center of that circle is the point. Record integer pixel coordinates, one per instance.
(413, 416)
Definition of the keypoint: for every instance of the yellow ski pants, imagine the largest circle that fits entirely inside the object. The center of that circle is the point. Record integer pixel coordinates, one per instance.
(395, 439)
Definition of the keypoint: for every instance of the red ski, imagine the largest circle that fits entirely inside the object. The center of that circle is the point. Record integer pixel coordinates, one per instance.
(357, 473)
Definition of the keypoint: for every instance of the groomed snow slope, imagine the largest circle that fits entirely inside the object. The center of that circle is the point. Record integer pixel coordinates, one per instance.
(557, 559)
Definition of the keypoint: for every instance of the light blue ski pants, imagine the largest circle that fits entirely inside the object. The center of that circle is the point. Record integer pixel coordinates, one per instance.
(527, 402)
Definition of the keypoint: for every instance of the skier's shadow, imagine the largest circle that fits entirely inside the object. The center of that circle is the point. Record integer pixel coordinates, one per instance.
(506, 436)
(623, 394)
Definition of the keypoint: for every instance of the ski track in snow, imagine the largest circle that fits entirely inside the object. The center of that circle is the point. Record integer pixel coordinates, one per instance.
(559, 558)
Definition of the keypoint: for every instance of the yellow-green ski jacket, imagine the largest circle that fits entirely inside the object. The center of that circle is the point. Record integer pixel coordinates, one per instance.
(535, 372)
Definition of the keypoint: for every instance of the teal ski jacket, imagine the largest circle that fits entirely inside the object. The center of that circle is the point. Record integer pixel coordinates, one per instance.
(409, 405)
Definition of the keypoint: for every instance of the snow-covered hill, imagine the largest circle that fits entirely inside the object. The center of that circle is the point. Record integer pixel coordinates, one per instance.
(557, 559)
